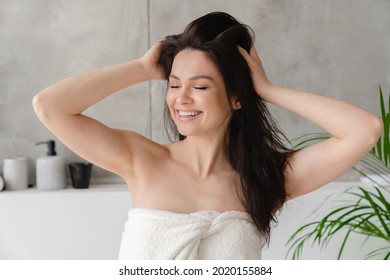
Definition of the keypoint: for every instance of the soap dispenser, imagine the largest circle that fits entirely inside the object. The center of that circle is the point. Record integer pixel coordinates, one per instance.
(50, 169)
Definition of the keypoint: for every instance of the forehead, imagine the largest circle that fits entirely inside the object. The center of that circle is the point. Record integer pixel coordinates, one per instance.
(191, 62)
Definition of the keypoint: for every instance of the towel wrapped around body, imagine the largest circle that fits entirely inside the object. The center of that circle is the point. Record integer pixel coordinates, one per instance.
(153, 234)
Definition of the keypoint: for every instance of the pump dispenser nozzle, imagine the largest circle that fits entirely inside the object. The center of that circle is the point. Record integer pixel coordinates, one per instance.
(51, 147)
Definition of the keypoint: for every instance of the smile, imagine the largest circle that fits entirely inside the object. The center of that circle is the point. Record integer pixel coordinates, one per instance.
(187, 115)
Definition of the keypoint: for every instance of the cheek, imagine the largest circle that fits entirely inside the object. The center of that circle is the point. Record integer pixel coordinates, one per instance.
(169, 99)
(219, 101)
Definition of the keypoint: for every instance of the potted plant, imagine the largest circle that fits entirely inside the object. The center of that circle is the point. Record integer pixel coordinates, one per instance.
(362, 210)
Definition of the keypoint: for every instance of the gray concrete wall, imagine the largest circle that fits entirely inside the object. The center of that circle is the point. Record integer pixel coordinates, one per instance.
(337, 48)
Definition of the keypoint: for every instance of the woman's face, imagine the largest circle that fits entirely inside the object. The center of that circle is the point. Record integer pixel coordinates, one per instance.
(196, 95)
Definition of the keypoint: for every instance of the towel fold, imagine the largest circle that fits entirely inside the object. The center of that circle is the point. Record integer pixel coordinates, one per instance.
(153, 234)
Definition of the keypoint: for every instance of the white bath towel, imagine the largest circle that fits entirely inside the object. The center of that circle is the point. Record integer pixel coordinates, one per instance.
(153, 234)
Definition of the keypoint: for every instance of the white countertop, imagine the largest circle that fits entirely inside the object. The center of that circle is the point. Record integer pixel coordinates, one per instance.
(63, 224)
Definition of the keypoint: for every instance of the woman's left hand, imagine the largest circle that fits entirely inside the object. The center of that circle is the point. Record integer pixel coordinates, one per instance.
(259, 77)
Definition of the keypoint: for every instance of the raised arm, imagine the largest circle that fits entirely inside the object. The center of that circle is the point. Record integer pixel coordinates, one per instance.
(60, 108)
(354, 131)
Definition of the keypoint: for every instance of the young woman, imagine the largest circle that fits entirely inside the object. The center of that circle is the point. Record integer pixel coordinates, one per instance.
(214, 192)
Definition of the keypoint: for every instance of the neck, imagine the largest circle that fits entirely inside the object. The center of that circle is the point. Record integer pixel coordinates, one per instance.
(205, 155)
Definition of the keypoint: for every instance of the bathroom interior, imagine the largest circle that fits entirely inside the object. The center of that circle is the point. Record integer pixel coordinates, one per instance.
(335, 48)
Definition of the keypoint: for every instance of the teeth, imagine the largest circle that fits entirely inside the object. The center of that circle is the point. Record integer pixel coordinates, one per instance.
(188, 113)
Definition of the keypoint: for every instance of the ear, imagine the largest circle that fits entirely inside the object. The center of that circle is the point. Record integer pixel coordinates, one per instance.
(235, 103)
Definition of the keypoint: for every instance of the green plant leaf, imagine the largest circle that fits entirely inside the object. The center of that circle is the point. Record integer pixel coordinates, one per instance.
(375, 207)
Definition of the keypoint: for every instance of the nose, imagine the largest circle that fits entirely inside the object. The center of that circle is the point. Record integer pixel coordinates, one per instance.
(184, 96)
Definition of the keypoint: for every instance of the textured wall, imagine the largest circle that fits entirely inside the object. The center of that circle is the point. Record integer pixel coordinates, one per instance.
(338, 48)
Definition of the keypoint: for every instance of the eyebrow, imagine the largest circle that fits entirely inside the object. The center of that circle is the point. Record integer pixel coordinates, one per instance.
(197, 77)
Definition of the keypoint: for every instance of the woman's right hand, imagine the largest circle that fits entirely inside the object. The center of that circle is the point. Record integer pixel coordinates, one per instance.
(150, 62)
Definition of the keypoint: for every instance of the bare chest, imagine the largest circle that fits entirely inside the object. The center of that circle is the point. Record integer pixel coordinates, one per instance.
(175, 189)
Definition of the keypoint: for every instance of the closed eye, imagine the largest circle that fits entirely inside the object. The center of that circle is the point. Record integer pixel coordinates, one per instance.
(174, 86)
(200, 88)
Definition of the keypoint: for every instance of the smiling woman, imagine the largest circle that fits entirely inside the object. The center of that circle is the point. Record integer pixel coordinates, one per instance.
(214, 192)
